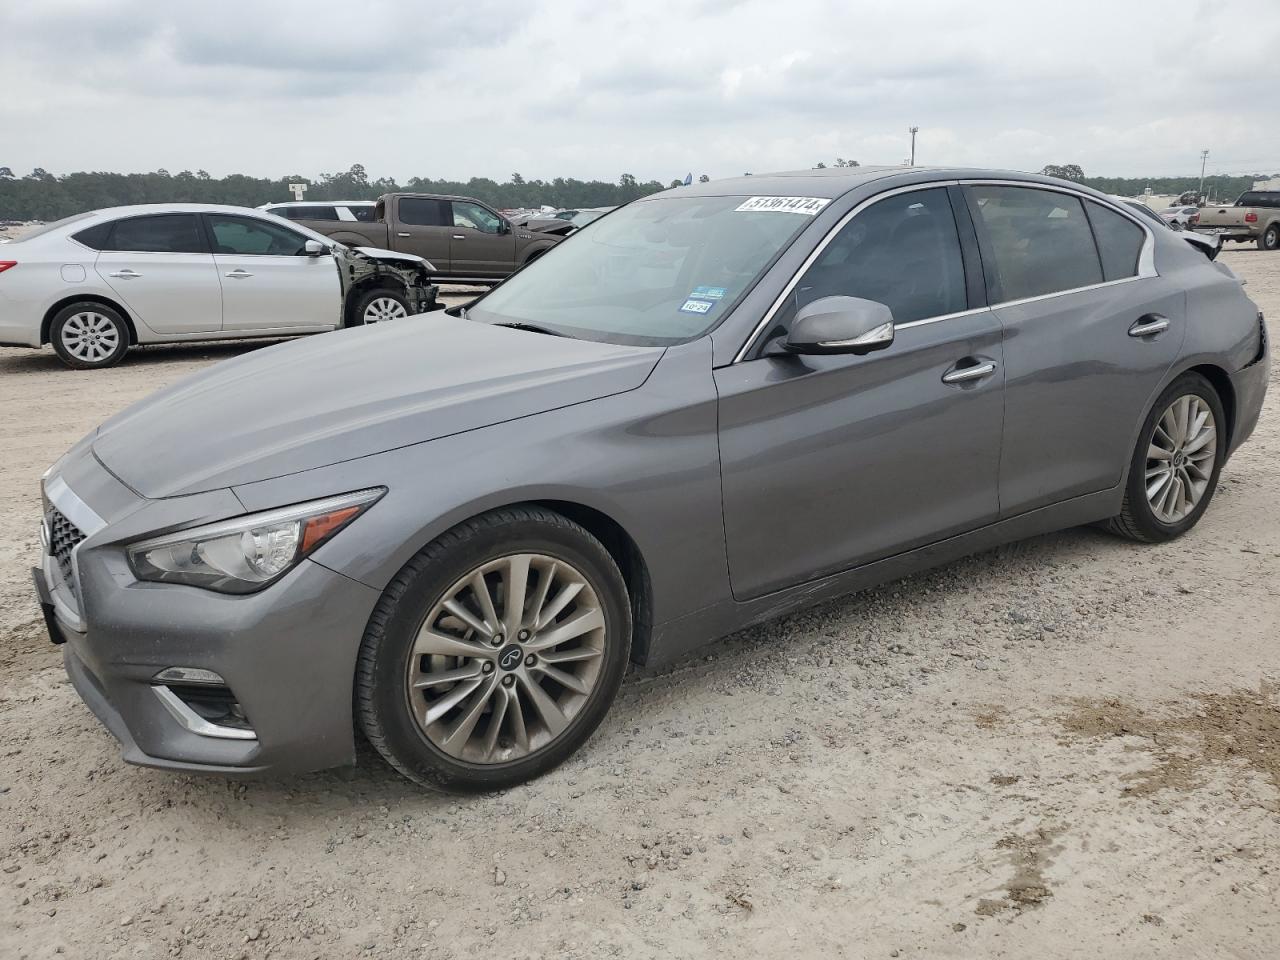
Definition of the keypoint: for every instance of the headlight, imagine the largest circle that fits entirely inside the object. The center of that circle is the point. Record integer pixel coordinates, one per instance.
(246, 554)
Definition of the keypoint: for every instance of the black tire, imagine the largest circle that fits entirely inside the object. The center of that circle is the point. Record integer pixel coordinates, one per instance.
(1269, 239)
(88, 355)
(1137, 520)
(381, 705)
(356, 315)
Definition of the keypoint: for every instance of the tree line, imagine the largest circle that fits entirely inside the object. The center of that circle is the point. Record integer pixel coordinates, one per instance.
(1217, 186)
(41, 195)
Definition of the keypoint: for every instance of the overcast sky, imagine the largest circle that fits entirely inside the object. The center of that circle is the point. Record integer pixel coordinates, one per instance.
(595, 88)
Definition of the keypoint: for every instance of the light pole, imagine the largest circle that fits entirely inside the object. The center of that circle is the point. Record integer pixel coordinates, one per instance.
(1204, 155)
(913, 130)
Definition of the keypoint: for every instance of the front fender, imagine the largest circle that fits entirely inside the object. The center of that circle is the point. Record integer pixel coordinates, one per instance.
(647, 459)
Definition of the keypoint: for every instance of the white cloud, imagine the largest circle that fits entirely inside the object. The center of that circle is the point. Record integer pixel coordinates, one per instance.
(585, 89)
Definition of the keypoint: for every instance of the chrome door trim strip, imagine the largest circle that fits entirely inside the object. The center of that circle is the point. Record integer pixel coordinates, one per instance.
(1146, 259)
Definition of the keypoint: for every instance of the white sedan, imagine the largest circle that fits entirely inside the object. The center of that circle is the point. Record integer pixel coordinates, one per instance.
(94, 284)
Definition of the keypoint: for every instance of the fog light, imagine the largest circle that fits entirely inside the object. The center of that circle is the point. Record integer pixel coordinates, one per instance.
(189, 675)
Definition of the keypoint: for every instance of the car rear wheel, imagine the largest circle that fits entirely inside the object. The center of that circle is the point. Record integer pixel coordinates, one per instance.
(87, 336)
(377, 306)
(1175, 467)
(1269, 239)
(495, 652)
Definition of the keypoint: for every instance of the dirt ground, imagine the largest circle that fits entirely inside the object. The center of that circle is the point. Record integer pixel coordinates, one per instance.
(1068, 747)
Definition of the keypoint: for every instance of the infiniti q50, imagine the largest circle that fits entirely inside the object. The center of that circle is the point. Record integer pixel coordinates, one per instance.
(705, 409)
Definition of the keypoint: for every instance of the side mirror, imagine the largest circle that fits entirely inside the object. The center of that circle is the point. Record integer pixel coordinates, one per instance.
(840, 325)
(504, 226)
(314, 248)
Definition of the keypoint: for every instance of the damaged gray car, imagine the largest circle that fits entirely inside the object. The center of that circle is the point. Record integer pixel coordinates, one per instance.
(97, 283)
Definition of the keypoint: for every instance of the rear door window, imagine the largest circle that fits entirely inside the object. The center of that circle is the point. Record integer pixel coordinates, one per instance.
(1119, 239)
(421, 212)
(165, 233)
(1035, 242)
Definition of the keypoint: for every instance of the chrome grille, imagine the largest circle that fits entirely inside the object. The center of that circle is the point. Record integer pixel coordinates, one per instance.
(64, 537)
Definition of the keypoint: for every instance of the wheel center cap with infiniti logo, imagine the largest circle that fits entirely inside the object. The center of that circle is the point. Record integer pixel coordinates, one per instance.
(1179, 459)
(510, 656)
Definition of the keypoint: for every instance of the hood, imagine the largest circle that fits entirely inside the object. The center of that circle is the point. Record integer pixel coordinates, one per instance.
(352, 393)
(377, 253)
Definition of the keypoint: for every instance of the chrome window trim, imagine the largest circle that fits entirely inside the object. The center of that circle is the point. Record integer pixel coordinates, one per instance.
(1146, 259)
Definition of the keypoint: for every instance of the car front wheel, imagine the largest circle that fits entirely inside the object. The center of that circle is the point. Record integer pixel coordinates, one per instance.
(495, 652)
(377, 306)
(1175, 467)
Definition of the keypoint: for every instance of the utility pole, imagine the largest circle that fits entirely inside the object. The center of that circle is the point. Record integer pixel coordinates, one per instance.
(1204, 155)
(913, 130)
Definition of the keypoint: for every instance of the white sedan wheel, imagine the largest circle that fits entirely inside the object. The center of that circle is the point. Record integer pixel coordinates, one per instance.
(384, 308)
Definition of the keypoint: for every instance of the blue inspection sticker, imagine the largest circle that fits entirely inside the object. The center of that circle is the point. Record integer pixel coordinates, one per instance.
(697, 306)
(709, 293)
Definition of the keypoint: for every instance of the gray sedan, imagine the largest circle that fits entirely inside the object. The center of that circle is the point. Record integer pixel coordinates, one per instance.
(714, 406)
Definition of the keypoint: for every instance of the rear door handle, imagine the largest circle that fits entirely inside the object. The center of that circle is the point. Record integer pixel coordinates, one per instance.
(238, 274)
(459, 236)
(406, 235)
(1153, 324)
(125, 274)
(977, 371)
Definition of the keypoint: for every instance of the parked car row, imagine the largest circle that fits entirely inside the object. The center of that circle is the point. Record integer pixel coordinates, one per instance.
(714, 406)
(95, 284)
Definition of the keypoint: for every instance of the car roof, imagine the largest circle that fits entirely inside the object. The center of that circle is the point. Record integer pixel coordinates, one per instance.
(833, 182)
(321, 203)
(143, 208)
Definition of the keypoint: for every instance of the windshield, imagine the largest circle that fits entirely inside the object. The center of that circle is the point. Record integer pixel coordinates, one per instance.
(656, 272)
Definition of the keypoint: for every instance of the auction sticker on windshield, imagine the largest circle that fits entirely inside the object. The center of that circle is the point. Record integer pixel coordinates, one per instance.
(809, 206)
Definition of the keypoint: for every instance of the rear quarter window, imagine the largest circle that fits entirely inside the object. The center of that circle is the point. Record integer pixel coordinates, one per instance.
(95, 237)
(1119, 239)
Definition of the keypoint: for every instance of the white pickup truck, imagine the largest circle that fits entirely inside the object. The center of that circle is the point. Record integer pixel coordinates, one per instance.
(1255, 216)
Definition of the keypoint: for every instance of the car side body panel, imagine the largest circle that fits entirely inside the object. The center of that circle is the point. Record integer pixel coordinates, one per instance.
(647, 459)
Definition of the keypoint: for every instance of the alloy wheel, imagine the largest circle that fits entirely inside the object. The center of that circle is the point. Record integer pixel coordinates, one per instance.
(506, 659)
(89, 336)
(1180, 458)
(384, 308)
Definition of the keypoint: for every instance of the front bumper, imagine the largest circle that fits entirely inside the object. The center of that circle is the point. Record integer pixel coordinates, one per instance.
(287, 655)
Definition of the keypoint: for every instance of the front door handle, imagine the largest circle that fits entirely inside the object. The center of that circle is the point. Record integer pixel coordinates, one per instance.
(459, 236)
(1152, 325)
(125, 274)
(977, 371)
(238, 274)
(405, 235)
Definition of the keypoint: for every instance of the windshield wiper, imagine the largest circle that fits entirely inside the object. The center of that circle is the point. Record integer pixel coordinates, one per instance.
(531, 327)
